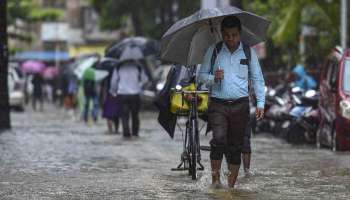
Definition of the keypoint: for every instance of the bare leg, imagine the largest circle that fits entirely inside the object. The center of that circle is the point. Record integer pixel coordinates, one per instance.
(233, 173)
(110, 126)
(215, 173)
(246, 161)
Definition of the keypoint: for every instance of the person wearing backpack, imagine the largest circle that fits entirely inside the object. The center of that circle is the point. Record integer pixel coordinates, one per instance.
(90, 94)
(126, 85)
(227, 68)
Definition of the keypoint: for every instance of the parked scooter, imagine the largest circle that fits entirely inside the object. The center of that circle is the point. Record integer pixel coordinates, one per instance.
(302, 121)
(276, 108)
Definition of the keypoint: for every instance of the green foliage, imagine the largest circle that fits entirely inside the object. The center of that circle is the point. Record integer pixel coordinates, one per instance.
(46, 14)
(18, 9)
(287, 19)
(28, 10)
(150, 18)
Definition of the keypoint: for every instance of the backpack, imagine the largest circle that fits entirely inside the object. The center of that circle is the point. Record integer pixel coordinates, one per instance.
(137, 64)
(114, 81)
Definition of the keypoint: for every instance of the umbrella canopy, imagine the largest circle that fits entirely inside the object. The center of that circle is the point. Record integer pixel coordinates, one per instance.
(33, 66)
(94, 74)
(85, 70)
(50, 72)
(132, 48)
(84, 64)
(107, 64)
(188, 39)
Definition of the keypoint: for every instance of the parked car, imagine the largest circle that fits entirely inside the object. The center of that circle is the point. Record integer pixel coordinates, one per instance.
(334, 104)
(15, 86)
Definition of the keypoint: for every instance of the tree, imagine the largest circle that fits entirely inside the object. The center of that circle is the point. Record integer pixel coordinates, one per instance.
(4, 95)
(29, 11)
(149, 18)
(287, 21)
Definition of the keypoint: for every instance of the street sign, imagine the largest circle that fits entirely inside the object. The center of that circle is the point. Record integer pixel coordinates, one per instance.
(53, 32)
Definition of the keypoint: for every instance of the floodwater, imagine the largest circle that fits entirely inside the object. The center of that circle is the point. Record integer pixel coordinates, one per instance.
(50, 155)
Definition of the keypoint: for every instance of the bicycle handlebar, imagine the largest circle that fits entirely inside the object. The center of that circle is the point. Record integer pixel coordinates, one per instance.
(191, 92)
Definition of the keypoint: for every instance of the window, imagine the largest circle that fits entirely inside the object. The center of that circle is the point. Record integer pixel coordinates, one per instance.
(334, 74)
(346, 76)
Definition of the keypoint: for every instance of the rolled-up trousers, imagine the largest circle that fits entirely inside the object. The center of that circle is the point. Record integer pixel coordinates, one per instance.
(228, 121)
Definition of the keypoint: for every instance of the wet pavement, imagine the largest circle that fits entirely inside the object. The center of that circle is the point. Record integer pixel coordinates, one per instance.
(49, 155)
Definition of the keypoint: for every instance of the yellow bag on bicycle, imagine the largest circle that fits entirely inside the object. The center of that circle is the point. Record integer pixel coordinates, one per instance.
(179, 104)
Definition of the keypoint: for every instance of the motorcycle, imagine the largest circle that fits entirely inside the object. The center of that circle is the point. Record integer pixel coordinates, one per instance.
(302, 120)
(276, 107)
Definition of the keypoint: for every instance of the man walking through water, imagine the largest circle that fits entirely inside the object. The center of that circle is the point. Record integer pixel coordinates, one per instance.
(228, 112)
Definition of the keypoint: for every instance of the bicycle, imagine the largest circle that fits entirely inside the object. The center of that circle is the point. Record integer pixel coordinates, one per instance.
(191, 155)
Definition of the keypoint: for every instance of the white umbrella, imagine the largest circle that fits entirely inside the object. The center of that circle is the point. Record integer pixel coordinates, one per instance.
(86, 63)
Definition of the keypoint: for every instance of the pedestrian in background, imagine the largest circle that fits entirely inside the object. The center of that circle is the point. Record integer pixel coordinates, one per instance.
(37, 95)
(302, 79)
(90, 99)
(111, 107)
(126, 84)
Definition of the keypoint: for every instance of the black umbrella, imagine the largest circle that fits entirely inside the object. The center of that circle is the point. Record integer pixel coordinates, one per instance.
(133, 48)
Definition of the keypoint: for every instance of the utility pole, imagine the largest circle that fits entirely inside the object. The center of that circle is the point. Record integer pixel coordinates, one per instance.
(4, 93)
(344, 23)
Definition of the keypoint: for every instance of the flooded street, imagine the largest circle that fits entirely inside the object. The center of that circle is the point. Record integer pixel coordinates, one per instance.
(49, 155)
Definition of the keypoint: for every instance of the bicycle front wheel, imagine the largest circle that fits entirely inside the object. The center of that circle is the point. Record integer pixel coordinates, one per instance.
(194, 162)
(193, 149)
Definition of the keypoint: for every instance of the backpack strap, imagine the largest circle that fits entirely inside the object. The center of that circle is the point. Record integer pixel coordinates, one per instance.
(248, 55)
(215, 53)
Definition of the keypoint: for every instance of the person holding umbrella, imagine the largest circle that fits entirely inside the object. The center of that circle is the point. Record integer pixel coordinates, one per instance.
(229, 106)
(90, 93)
(126, 85)
(127, 81)
(228, 64)
(38, 83)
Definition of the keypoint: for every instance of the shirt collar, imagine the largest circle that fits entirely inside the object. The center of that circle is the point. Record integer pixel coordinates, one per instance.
(240, 47)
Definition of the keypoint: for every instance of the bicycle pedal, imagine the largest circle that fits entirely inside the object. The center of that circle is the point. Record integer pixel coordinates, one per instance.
(205, 148)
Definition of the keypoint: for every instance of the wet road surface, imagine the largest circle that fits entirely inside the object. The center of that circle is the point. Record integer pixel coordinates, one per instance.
(51, 156)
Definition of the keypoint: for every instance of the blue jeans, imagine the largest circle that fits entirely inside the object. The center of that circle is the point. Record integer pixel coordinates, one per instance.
(94, 111)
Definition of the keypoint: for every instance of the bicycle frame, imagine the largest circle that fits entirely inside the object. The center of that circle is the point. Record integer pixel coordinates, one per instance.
(191, 154)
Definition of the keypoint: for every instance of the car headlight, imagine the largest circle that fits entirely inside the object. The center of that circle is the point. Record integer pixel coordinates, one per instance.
(345, 108)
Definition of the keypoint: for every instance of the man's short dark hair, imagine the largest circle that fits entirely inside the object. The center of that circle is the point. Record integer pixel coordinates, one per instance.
(231, 22)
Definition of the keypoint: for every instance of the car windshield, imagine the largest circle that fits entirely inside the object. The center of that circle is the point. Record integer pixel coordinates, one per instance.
(346, 78)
